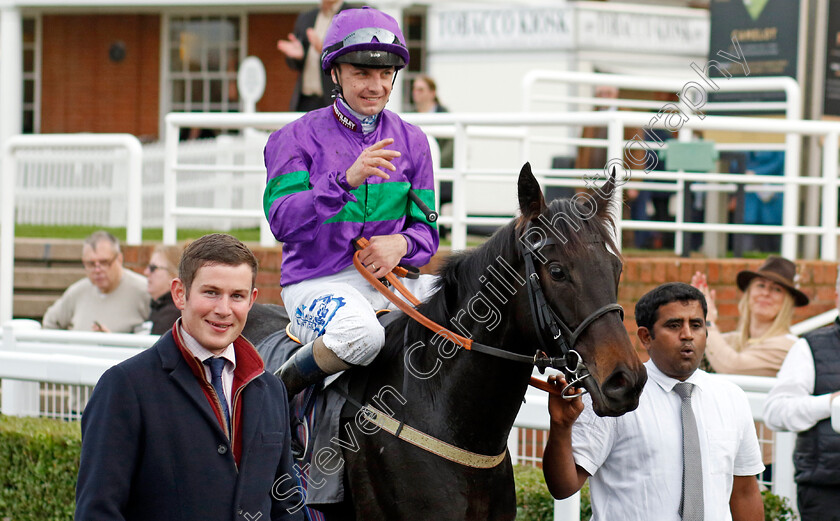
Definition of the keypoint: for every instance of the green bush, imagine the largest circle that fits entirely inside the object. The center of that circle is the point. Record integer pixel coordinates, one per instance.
(534, 503)
(777, 508)
(39, 460)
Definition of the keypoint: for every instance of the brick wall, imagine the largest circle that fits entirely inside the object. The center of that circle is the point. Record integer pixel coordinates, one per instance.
(640, 275)
(83, 90)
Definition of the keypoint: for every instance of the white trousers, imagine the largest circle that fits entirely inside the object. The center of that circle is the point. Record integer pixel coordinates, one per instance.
(342, 309)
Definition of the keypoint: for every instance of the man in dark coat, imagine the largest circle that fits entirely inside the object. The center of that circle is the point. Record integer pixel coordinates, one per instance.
(193, 428)
(313, 89)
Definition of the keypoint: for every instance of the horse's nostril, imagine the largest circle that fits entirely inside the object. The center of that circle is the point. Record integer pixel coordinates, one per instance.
(618, 384)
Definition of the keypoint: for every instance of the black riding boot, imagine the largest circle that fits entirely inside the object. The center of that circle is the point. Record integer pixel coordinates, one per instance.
(300, 371)
(309, 365)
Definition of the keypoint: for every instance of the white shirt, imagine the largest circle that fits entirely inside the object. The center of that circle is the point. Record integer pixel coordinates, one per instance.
(203, 354)
(791, 405)
(635, 461)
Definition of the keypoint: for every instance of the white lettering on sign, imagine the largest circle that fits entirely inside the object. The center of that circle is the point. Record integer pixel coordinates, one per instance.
(464, 28)
(642, 32)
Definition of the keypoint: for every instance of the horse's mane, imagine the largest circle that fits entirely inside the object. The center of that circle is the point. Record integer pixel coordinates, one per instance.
(459, 277)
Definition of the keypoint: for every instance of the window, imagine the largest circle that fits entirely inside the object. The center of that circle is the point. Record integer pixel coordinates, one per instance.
(414, 30)
(203, 55)
(31, 75)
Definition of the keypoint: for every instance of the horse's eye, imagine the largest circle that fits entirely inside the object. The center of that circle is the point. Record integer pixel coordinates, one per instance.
(557, 273)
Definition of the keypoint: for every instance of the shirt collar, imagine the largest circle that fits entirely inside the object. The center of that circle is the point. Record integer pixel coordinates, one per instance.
(198, 351)
(698, 378)
(352, 119)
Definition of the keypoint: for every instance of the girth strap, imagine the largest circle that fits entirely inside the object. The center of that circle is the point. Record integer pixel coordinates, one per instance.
(429, 443)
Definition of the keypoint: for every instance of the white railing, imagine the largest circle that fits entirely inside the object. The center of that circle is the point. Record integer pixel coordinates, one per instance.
(517, 127)
(571, 91)
(51, 373)
(77, 168)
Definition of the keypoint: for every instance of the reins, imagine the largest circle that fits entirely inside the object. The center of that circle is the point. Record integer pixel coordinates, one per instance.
(545, 320)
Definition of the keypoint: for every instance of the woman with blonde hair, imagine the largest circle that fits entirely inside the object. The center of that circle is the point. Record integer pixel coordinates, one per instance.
(762, 338)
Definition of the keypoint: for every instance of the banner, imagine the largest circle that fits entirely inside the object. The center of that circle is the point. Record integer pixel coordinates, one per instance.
(831, 96)
(767, 32)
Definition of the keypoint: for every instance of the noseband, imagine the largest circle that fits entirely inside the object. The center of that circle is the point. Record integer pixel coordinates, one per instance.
(552, 330)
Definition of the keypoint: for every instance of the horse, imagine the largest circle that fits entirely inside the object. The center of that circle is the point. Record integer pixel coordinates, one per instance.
(554, 268)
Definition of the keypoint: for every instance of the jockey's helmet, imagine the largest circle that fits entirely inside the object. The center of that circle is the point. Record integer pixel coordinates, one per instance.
(364, 37)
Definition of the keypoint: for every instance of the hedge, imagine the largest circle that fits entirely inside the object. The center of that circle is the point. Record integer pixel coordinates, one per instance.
(534, 503)
(39, 460)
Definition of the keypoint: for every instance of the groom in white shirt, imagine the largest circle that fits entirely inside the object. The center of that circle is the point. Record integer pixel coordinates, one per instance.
(635, 462)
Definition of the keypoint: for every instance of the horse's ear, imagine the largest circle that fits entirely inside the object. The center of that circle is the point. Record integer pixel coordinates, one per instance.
(531, 201)
(603, 196)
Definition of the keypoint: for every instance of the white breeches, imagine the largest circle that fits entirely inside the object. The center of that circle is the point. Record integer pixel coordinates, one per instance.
(342, 308)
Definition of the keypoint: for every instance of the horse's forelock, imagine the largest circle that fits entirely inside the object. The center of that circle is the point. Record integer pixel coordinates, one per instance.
(576, 225)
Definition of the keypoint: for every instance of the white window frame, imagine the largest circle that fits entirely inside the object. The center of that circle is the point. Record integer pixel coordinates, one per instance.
(35, 74)
(167, 76)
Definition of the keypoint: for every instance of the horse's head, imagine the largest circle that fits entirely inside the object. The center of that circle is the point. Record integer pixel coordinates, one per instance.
(570, 244)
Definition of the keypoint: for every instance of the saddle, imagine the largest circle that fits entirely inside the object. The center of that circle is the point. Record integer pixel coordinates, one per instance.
(317, 412)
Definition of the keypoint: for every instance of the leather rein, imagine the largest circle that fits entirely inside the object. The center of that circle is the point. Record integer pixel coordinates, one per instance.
(551, 330)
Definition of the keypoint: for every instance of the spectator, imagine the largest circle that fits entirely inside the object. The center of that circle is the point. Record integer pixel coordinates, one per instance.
(762, 337)
(800, 401)
(642, 465)
(161, 271)
(424, 95)
(192, 429)
(342, 172)
(764, 206)
(110, 299)
(425, 99)
(313, 89)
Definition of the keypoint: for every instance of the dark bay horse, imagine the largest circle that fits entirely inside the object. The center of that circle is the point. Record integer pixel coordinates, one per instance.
(469, 400)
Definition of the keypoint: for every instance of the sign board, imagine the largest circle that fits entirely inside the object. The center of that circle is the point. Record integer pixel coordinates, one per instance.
(250, 81)
(455, 27)
(831, 99)
(765, 32)
(641, 32)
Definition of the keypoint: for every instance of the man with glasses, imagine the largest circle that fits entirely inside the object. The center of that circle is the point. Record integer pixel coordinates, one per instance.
(109, 299)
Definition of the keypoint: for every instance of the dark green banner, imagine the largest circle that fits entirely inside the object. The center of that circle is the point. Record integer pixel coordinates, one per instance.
(767, 35)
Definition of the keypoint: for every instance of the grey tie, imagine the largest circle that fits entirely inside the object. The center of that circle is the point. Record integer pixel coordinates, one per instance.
(691, 505)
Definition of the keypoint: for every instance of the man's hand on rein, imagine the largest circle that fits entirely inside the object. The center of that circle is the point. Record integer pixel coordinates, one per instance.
(383, 253)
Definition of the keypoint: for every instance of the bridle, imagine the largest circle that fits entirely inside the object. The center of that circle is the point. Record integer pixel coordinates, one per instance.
(551, 329)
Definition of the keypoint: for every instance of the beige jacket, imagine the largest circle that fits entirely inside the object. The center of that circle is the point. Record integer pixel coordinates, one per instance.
(755, 359)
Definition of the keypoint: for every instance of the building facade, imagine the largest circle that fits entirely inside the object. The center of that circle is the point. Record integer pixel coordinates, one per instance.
(121, 65)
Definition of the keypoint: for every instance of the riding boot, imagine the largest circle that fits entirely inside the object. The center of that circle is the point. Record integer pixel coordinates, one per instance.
(309, 365)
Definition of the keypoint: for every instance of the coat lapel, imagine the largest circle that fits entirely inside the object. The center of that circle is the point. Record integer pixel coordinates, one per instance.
(184, 378)
(253, 397)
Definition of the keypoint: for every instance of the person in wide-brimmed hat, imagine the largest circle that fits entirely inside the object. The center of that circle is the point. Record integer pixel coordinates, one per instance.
(761, 340)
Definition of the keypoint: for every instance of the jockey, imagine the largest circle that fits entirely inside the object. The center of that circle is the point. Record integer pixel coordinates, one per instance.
(339, 173)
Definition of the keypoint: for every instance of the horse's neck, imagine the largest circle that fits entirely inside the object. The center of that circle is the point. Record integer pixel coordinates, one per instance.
(472, 400)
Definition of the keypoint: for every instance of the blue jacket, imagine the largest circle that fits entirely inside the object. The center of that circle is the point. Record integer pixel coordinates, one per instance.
(316, 214)
(153, 448)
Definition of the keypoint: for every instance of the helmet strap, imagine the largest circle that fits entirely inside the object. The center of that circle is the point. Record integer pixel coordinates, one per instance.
(337, 91)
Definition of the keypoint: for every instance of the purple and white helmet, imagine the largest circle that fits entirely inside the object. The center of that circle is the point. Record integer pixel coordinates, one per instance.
(365, 37)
